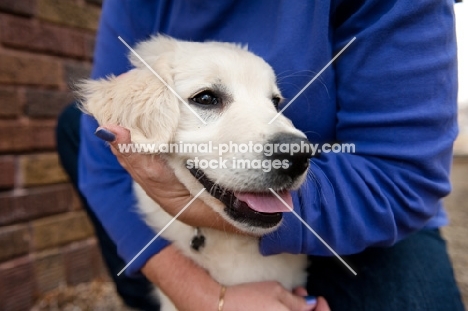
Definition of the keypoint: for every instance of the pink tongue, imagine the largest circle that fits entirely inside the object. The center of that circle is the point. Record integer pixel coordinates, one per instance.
(266, 202)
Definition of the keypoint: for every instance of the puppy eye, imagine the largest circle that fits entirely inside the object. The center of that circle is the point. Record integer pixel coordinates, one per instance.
(276, 101)
(206, 98)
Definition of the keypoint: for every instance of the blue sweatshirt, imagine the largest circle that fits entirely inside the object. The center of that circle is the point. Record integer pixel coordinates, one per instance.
(392, 93)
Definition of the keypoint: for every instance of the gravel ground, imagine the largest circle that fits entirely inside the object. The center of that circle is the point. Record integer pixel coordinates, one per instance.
(95, 296)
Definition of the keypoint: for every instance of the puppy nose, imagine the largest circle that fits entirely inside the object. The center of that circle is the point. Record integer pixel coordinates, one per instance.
(293, 151)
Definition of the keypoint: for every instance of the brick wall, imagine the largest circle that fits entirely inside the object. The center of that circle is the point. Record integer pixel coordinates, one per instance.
(45, 237)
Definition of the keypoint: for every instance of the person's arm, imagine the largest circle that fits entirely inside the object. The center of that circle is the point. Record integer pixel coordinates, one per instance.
(396, 98)
(191, 288)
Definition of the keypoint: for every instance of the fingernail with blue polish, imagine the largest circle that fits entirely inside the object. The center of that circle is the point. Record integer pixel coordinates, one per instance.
(104, 134)
(310, 300)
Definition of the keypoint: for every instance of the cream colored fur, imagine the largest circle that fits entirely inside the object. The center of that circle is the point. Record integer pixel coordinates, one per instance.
(141, 103)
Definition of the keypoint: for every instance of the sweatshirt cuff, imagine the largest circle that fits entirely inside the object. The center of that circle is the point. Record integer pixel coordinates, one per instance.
(130, 250)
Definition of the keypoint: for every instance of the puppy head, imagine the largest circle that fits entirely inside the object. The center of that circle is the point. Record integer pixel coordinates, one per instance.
(229, 95)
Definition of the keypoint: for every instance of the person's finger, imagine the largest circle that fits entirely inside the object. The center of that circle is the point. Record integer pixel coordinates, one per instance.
(105, 134)
(310, 300)
(300, 291)
(322, 305)
(122, 134)
(297, 303)
(116, 136)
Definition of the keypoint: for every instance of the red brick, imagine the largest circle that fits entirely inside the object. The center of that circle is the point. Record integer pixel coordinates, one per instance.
(7, 169)
(29, 34)
(14, 136)
(43, 135)
(27, 135)
(69, 13)
(41, 169)
(23, 7)
(17, 285)
(59, 230)
(79, 264)
(30, 70)
(49, 270)
(46, 103)
(98, 265)
(35, 203)
(14, 241)
(10, 102)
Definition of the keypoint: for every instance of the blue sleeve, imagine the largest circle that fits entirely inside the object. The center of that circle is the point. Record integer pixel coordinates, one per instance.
(396, 101)
(105, 184)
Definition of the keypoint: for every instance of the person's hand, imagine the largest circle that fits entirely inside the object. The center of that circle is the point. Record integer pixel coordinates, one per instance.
(270, 296)
(150, 171)
(191, 288)
(321, 303)
(158, 180)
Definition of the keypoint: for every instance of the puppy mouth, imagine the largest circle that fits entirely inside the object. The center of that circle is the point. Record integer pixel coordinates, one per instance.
(259, 209)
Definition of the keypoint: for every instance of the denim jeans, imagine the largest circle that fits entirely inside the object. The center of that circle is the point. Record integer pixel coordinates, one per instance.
(415, 275)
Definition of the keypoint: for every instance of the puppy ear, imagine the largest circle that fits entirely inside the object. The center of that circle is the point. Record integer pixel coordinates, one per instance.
(137, 101)
(159, 50)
